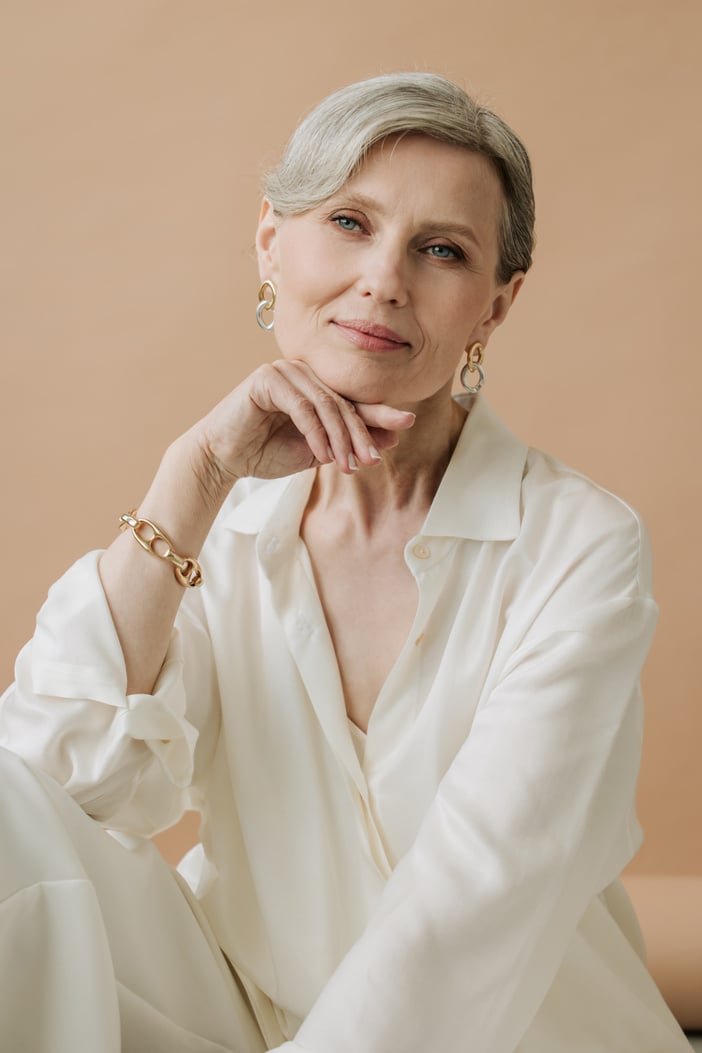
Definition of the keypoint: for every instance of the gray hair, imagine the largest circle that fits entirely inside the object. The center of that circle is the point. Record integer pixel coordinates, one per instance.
(332, 141)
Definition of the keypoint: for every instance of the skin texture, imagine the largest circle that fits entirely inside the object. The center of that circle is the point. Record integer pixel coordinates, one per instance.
(388, 248)
(409, 243)
(381, 289)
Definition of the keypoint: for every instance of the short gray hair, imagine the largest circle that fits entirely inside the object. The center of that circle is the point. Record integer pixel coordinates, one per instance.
(332, 141)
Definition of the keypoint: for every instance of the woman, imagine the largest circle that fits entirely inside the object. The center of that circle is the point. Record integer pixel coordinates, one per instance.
(405, 698)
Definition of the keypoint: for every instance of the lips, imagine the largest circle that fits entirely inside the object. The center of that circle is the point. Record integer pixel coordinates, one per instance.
(370, 335)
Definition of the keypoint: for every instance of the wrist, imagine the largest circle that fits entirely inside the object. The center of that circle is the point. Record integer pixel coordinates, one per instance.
(212, 480)
(185, 495)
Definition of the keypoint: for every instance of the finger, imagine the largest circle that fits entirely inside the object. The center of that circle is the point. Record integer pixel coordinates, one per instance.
(367, 428)
(382, 439)
(348, 439)
(284, 395)
(378, 415)
(385, 423)
(355, 432)
(358, 447)
(346, 435)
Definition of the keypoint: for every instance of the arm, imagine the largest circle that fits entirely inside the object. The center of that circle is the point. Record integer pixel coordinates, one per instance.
(127, 758)
(109, 697)
(280, 420)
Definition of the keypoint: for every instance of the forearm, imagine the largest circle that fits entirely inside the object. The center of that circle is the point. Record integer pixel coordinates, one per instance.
(279, 421)
(142, 592)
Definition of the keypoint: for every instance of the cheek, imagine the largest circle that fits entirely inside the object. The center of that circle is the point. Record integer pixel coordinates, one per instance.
(297, 317)
(287, 330)
(312, 270)
(306, 298)
(299, 288)
(448, 330)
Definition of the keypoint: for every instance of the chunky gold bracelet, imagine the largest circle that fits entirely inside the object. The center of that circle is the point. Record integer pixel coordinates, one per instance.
(187, 571)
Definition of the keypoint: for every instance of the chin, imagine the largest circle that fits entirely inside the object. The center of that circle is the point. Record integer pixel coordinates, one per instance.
(368, 391)
(366, 384)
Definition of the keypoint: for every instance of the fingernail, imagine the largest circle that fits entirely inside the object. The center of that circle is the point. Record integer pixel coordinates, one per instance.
(353, 464)
(374, 453)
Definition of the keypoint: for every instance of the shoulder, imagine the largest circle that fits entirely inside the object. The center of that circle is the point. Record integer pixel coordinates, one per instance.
(548, 484)
(572, 521)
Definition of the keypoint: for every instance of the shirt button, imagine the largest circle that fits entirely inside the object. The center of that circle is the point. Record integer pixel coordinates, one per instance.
(272, 545)
(421, 552)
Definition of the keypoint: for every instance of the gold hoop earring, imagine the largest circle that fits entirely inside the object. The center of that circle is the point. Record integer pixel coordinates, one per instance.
(473, 365)
(266, 302)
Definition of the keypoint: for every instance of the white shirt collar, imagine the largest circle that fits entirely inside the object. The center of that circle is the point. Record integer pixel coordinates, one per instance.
(479, 497)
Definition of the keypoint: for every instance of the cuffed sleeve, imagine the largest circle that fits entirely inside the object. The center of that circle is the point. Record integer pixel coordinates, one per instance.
(127, 759)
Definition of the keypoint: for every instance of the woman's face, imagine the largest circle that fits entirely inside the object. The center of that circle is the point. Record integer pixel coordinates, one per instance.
(383, 286)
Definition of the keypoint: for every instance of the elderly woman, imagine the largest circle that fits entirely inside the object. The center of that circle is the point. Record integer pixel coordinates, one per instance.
(405, 699)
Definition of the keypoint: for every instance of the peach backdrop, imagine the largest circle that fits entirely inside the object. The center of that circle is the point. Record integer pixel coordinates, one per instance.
(133, 137)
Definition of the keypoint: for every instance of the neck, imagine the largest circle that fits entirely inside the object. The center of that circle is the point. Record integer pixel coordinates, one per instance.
(405, 482)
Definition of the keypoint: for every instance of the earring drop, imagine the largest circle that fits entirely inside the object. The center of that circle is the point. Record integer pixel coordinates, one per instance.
(266, 302)
(472, 366)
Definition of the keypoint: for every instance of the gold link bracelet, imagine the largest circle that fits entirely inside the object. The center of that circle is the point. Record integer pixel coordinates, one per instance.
(187, 571)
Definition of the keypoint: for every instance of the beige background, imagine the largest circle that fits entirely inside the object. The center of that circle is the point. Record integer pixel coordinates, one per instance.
(133, 136)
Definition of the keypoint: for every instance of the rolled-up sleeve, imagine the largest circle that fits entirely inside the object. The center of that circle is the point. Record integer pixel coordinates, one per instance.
(532, 820)
(127, 759)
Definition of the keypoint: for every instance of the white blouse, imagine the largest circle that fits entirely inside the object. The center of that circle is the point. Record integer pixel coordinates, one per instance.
(440, 884)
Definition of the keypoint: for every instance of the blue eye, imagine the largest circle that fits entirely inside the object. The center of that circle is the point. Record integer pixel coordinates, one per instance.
(444, 252)
(347, 223)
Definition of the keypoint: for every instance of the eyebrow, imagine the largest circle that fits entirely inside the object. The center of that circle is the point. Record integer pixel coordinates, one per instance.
(448, 226)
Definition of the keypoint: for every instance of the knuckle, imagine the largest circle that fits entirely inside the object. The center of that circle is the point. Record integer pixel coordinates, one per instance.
(266, 374)
(300, 403)
(328, 402)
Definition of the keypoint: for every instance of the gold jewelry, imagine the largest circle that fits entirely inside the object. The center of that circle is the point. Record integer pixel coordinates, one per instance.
(187, 570)
(266, 302)
(474, 365)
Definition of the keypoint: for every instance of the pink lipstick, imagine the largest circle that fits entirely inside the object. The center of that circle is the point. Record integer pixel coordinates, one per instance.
(370, 336)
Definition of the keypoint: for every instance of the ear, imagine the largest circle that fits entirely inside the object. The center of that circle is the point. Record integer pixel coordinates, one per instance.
(499, 307)
(267, 242)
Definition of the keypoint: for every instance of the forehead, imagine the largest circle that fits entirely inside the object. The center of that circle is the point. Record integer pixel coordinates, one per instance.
(423, 174)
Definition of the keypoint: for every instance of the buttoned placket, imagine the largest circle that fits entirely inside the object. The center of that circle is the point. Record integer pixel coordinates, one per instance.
(285, 561)
(298, 607)
(402, 694)
(296, 602)
(400, 698)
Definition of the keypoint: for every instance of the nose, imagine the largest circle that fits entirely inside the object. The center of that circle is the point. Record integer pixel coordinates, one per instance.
(384, 274)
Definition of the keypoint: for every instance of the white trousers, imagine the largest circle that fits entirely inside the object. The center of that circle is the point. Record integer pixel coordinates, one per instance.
(102, 949)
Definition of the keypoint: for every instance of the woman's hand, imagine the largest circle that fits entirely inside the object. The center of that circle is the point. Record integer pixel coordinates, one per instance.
(282, 419)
